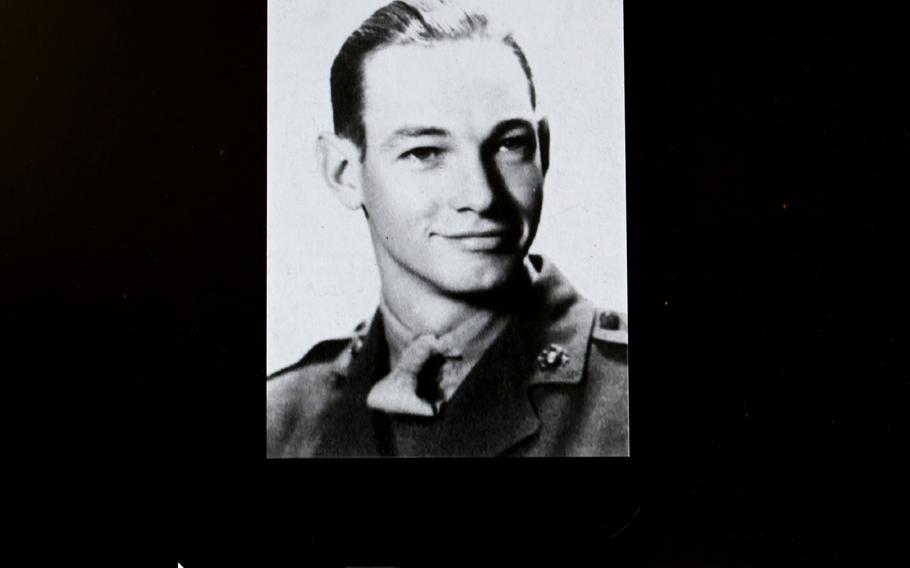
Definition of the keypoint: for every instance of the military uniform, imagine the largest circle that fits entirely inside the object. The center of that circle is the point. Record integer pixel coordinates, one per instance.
(553, 383)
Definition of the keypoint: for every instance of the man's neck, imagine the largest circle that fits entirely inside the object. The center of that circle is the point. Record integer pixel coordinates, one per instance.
(432, 313)
(423, 309)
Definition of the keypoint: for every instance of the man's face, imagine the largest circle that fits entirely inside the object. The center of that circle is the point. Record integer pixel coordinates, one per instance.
(451, 178)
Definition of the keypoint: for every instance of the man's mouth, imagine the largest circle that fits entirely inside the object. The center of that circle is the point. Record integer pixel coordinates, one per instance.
(485, 240)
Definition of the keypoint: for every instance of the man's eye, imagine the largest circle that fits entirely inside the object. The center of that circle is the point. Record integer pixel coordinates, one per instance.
(422, 154)
(515, 144)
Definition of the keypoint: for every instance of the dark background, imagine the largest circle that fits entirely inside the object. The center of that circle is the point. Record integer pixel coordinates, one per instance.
(767, 150)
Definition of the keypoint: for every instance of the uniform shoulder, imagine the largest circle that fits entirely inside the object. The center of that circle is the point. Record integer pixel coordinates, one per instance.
(322, 353)
(320, 361)
(298, 394)
(311, 378)
(608, 364)
(608, 358)
(610, 326)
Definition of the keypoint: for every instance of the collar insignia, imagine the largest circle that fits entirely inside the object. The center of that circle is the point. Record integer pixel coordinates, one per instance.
(553, 356)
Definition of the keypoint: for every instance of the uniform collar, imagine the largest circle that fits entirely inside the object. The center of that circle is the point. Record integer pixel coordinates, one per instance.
(557, 315)
(468, 341)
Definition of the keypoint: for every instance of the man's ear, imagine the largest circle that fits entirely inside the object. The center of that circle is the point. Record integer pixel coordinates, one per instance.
(339, 159)
(543, 138)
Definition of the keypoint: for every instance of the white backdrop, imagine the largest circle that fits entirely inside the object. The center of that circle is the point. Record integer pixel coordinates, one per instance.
(322, 279)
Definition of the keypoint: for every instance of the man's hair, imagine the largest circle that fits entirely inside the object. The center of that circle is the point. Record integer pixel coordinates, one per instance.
(403, 22)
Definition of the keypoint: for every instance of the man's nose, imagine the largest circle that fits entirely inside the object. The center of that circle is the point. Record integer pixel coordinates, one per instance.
(475, 186)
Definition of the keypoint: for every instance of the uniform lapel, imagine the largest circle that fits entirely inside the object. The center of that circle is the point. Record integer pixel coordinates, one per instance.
(349, 429)
(491, 411)
(564, 321)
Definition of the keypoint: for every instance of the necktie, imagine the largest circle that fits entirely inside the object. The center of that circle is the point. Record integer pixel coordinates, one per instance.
(412, 387)
(428, 379)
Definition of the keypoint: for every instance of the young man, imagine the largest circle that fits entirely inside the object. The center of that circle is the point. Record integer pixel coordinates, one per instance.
(477, 348)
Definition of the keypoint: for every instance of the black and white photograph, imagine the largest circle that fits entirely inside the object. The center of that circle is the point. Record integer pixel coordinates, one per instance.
(446, 230)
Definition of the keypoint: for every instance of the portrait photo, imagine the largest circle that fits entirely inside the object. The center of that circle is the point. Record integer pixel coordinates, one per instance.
(446, 232)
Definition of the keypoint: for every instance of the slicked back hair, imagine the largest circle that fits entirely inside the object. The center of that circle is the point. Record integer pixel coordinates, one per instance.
(403, 22)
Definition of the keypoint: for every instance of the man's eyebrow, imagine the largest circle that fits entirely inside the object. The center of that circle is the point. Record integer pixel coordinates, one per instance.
(413, 132)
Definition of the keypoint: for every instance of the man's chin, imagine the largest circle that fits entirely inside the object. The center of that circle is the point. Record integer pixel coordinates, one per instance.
(482, 274)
